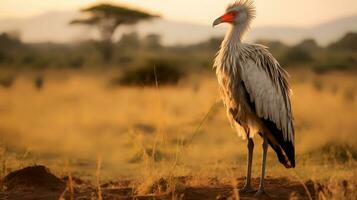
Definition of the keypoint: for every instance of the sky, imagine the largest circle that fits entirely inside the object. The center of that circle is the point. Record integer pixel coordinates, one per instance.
(296, 13)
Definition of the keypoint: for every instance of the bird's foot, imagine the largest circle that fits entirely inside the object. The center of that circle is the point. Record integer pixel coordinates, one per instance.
(261, 193)
(247, 189)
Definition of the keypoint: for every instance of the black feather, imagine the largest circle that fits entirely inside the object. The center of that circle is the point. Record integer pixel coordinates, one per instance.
(285, 147)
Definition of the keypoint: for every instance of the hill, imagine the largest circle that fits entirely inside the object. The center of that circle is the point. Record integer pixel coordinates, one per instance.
(53, 27)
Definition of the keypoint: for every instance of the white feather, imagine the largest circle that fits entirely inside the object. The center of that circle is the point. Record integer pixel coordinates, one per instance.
(267, 97)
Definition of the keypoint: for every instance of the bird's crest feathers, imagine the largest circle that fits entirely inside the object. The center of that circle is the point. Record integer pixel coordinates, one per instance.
(245, 6)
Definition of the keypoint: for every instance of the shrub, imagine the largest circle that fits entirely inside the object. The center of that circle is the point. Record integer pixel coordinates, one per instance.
(39, 82)
(331, 152)
(329, 65)
(347, 43)
(297, 55)
(163, 71)
(140, 155)
(309, 45)
(341, 153)
(76, 62)
(7, 81)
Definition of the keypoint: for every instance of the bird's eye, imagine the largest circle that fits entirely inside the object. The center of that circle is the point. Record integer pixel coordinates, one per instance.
(235, 13)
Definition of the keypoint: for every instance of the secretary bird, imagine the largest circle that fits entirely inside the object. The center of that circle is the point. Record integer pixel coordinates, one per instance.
(255, 91)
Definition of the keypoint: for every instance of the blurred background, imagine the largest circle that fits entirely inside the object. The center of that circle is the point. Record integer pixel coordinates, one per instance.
(131, 83)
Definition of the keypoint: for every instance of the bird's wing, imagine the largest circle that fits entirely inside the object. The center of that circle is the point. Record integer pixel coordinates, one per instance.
(265, 81)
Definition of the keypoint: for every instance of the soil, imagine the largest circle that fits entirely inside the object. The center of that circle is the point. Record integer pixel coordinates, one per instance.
(36, 182)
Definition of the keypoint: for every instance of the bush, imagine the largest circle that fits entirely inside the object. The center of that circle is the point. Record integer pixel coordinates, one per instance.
(156, 156)
(347, 43)
(39, 82)
(297, 55)
(342, 153)
(329, 65)
(76, 62)
(7, 81)
(334, 152)
(308, 45)
(163, 71)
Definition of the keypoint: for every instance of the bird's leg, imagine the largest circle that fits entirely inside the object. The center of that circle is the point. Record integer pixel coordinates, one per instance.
(248, 187)
(265, 150)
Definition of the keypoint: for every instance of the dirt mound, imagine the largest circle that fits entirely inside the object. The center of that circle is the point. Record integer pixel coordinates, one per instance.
(24, 183)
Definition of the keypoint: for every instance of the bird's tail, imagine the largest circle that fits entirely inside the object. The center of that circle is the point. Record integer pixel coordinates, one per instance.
(285, 150)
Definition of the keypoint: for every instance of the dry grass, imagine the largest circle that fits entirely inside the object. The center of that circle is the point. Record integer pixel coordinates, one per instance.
(148, 133)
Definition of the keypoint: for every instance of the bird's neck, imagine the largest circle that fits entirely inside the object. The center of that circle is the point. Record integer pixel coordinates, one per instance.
(235, 34)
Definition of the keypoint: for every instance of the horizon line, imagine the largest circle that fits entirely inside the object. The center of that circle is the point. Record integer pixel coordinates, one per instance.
(183, 21)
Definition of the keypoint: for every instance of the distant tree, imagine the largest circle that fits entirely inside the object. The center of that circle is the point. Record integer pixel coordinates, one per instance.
(296, 55)
(8, 40)
(211, 44)
(162, 71)
(348, 43)
(275, 46)
(107, 18)
(10, 45)
(309, 45)
(152, 41)
(129, 41)
(214, 43)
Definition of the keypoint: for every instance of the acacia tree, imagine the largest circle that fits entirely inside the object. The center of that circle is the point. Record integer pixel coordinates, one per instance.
(107, 18)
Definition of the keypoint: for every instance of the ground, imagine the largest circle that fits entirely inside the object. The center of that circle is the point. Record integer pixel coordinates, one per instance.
(36, 182)
(80, 126)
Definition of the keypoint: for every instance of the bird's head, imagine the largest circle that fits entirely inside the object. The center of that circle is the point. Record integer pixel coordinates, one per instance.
(238, 13)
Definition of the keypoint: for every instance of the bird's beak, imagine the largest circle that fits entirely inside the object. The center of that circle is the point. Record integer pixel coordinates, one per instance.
(228, 17)
(217, 21)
